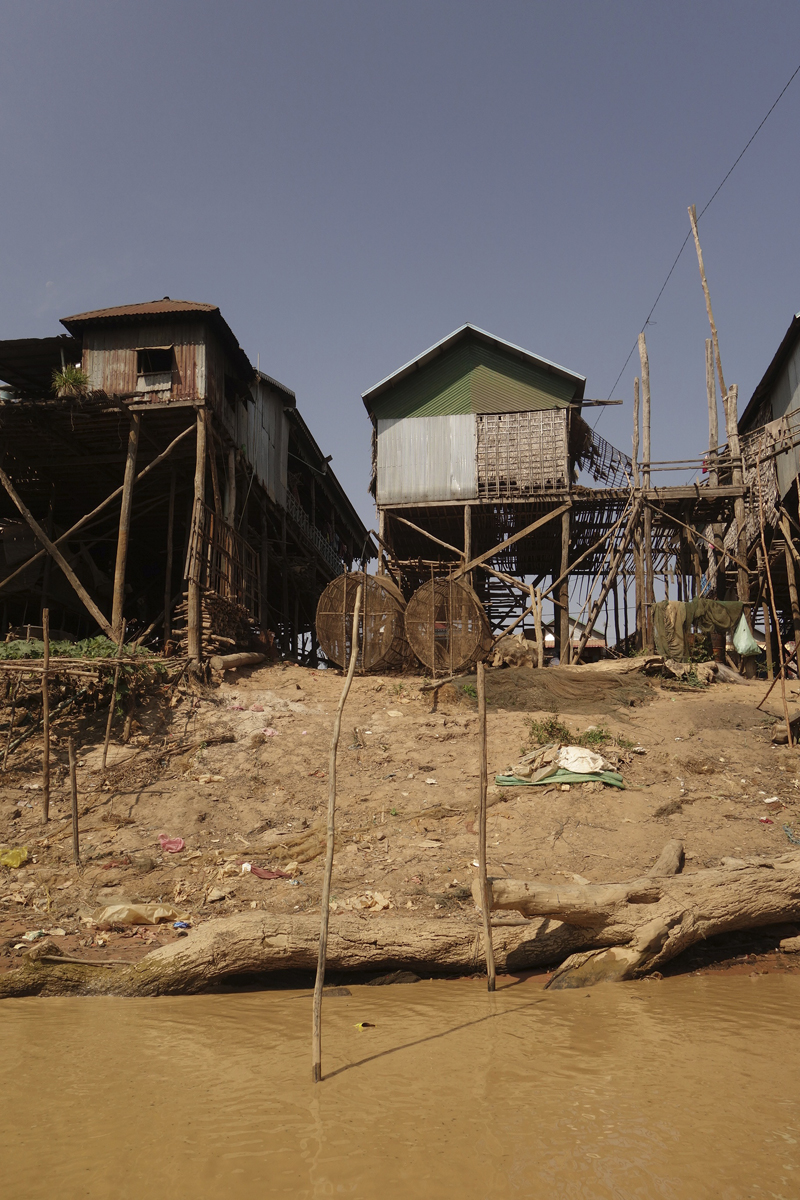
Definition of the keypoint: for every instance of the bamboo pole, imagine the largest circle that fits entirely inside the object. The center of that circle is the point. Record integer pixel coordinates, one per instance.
(194, 616)
(647, 563)
(791, 577)
(638, 569)
(123, 536)
(707, 294)
(485, 913)
(316, 1036)
(170, 553)
(732, 422)
(73, 783)
(113, 697)
(713, 423)
(536, 606)
(565, 641)
(774, 606)
(72, 578)
(46, 718)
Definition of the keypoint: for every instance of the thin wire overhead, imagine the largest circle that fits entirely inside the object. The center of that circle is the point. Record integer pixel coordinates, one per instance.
(705, 208)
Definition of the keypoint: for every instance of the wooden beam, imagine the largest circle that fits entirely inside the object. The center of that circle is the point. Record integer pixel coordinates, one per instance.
(613, 567)
(194, 614)
(53, 550)
(124, 533)
(707, 294)
(515, 537)
(170, 552)
(429, 536)
(96, 511)
(565, 639)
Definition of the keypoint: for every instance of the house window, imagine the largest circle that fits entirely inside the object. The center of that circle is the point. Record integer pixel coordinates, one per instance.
(154, 369)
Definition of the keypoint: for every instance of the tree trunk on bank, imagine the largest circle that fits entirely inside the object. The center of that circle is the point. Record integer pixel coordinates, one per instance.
(632, 928)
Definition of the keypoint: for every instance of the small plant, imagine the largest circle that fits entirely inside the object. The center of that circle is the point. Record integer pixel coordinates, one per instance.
(551, 729)
(392, 812)
(398, 689)
(469, 690)
(70, 381)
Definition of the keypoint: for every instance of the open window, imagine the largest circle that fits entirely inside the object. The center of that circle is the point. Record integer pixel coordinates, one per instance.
(154, 369)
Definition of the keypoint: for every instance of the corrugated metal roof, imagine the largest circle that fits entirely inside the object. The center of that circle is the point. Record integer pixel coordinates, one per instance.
(153, 310)
(781, 355)
(473, 377)
(473, 332)
(28, 363)
(150, 308)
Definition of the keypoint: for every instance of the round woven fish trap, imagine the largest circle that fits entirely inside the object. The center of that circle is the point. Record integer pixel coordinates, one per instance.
(446, 626)
(382, 642)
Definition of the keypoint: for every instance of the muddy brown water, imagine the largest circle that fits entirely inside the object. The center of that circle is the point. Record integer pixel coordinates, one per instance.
(683, 1089)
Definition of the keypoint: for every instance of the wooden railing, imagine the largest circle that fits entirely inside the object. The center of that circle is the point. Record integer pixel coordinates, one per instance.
(220, 560)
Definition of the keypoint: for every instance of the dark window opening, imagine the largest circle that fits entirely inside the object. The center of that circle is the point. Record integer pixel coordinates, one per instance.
(154, 362)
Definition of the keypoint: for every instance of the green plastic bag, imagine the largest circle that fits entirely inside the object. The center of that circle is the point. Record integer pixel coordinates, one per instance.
(743, 641)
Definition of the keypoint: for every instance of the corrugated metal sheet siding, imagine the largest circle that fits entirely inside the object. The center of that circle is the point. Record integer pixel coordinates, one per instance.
(109, 356)
(785, 400)
(261, 431)
(427, 458)
(474, 378)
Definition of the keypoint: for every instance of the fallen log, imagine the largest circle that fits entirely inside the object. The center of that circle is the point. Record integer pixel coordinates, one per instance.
(258, 942)
(229, 662)
(631, 928)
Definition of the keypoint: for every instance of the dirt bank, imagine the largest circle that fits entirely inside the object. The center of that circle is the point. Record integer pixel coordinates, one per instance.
(238, 770)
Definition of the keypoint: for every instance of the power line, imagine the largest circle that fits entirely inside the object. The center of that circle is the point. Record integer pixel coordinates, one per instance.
(702, 211)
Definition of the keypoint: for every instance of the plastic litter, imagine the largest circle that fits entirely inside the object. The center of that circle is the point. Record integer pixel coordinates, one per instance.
(266, 873)
(581, 761)
(559, 776)
(270, 732)
(182, 925)
(137, 914)
(14, 857)
(743, 641)
(33, 935)
(171, 845)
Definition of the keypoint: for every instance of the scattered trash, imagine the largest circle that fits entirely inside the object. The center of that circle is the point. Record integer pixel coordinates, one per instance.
(137, 914)
(171, 845)
(559, 776)
(581, 761)
(766, 821)
(14, 857)
(364, 1025)
(430, 781)
(182, 925)
(215, 895)
(794, 840)
(266, 873)
(246, 868)
(270, 732)
(33, 935)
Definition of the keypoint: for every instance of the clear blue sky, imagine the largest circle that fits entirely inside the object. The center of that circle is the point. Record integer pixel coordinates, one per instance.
(352, 180)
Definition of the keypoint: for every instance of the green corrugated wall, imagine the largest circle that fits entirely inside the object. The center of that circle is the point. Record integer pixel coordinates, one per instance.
(473, 378)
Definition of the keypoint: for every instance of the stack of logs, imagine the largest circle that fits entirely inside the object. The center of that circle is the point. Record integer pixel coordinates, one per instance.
(225, 625)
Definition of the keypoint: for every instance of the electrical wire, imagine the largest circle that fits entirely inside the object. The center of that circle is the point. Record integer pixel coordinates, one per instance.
(700, 214)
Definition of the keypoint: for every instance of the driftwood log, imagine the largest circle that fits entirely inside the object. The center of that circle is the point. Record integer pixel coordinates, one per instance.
(257, 942)
(631, 928)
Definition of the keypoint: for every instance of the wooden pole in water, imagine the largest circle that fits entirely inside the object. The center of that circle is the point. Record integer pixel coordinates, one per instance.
(46, 718)
(316, 1035)
(113, 700)
(487, 924)
(73, 783)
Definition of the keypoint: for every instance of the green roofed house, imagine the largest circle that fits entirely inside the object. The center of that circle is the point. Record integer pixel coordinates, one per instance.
(475, 440)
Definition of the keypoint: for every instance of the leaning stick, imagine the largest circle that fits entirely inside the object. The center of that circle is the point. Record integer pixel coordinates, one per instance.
(113, 700)
(11, 720)
(487, 925)
(775, 617)
(46, 718)
(316, 1037)
(73, 783)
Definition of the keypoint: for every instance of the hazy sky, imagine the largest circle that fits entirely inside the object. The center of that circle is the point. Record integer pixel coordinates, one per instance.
(351, 181)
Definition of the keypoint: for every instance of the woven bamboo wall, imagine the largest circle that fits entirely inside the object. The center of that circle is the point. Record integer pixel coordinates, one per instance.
(522, 452)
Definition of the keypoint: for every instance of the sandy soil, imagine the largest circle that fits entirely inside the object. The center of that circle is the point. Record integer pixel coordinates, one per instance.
(408, 780)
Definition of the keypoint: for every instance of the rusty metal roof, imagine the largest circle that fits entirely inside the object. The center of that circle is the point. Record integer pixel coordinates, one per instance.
(154, 310)
(150, 308)
(28, 363)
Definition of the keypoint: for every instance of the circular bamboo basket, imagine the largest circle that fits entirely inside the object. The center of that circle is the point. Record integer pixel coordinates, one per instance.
(446, 626)
(382, 644)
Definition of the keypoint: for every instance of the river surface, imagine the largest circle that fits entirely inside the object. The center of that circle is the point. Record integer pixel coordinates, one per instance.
(682, 1089)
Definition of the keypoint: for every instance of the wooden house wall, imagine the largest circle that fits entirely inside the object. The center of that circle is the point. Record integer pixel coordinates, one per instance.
(785, 402)
(109, 357)
(261, 430)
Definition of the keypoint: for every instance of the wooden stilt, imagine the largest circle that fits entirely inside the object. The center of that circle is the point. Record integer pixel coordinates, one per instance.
(774, 605)
(791, 577)
(194, 616)
(46, 717)
(316, 1035)
(14, 695)
(113, 700)
(73, 784)
(562, 597)
(484, 886)
(649, 582)
(230, 498)
(713, 424)
(468, 540)
(616, 614)
(212, 462)
(123, 537)
(638, 568)
(168, 567)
